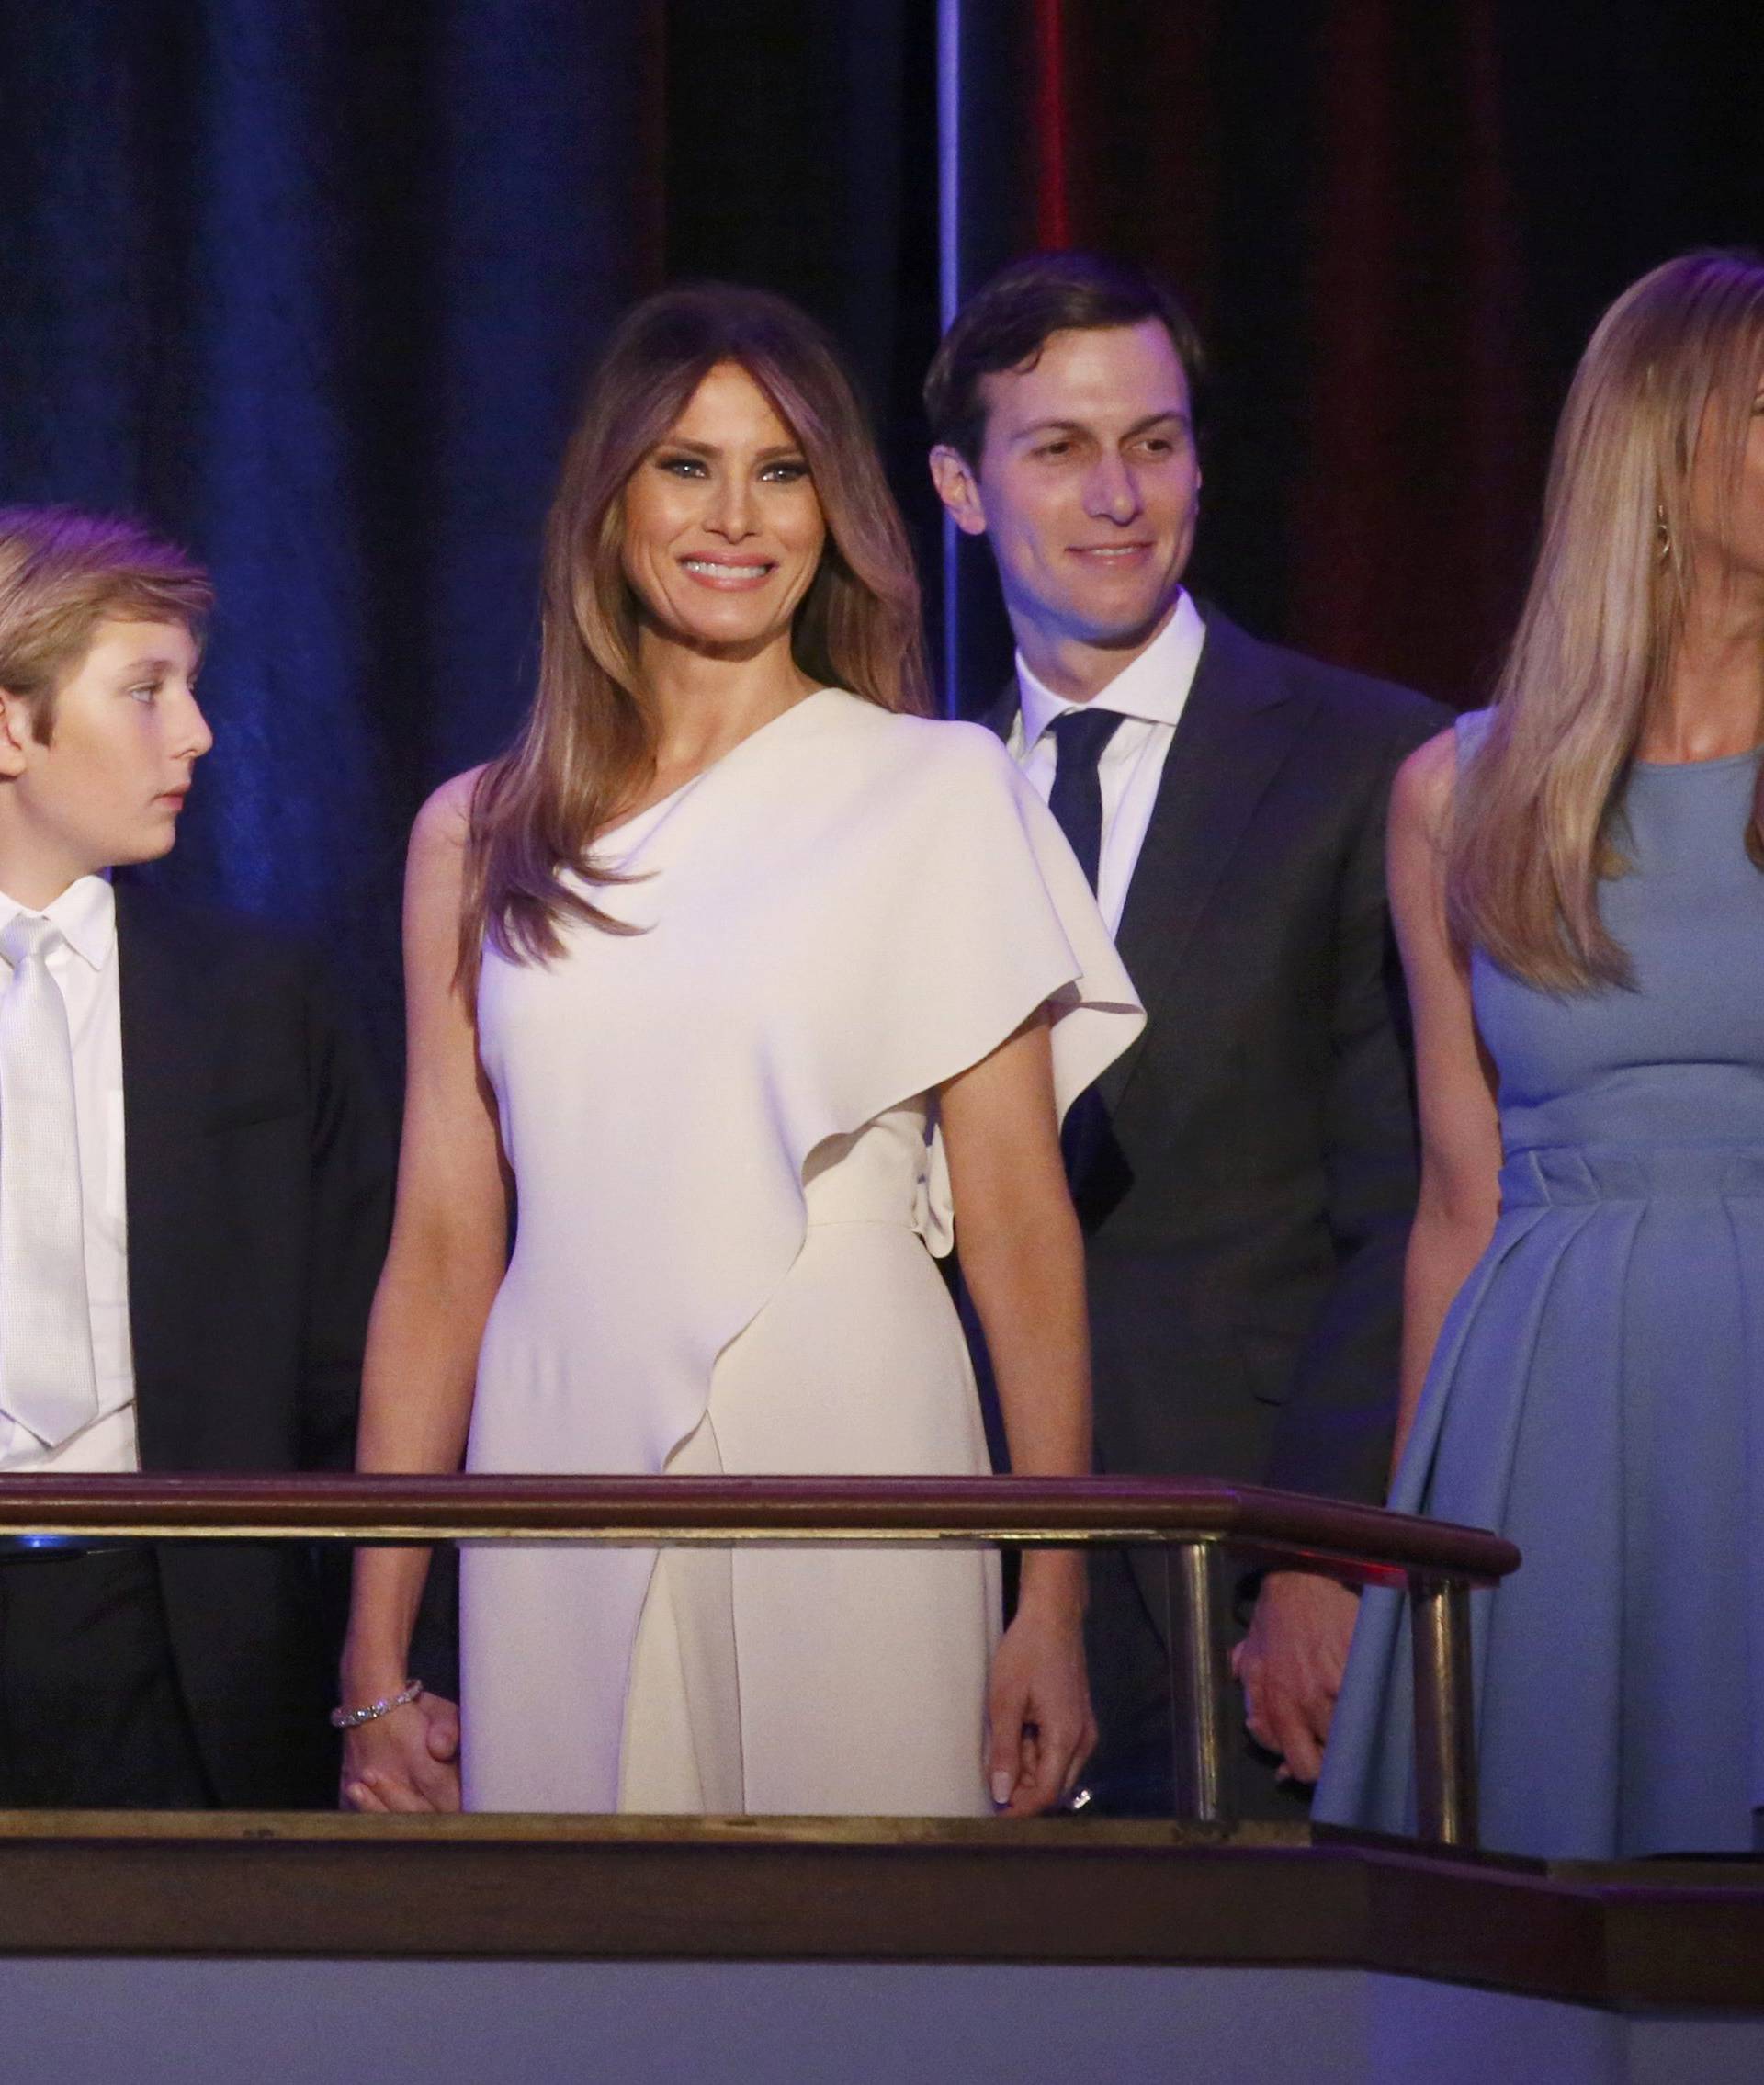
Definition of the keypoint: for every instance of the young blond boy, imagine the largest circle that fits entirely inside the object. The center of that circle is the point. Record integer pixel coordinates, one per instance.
(194, 1183)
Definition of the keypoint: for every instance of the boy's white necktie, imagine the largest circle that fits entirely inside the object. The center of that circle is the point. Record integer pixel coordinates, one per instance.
(47, 1379)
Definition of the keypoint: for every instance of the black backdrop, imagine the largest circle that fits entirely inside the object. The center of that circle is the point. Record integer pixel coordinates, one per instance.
(313, 283)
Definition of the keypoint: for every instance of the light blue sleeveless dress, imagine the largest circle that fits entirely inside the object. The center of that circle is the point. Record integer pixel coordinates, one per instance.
(1598, 1390)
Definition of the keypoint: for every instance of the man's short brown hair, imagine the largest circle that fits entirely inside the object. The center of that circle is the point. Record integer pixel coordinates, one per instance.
(1007, 321)
(63, 572)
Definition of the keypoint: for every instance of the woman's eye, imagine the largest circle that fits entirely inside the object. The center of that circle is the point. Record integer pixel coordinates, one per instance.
(147, 692)
(681, 466)
(788, 473)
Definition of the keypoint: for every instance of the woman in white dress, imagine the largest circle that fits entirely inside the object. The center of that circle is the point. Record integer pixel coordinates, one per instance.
(738, 979)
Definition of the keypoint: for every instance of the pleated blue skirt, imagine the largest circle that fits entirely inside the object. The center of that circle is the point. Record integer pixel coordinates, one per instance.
(1596, 1396)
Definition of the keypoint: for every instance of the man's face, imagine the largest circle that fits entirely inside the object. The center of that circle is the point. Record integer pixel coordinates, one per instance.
(1087, 485)
(126, 735)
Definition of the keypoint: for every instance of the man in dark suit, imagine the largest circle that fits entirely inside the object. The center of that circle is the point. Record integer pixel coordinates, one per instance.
(195, 1189)
(1246, 1173)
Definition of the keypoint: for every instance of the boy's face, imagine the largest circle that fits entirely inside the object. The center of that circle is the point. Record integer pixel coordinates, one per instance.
(108, 789)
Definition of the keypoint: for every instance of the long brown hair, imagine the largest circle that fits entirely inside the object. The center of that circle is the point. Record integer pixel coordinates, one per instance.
(588, 739)
(1676, 361)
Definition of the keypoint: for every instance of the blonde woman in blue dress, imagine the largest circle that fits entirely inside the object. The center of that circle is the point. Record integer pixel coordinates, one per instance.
(731, 986)
(1576, 880)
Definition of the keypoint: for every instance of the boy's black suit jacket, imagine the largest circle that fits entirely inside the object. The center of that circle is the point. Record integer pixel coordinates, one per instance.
(1245, 1216)
(259, 1171)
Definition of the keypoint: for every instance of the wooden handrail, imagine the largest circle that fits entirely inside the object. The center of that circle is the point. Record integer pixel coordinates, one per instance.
(1191, 1521)
(1355, 1543)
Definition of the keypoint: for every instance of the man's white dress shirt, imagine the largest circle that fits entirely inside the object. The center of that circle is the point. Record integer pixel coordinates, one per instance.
(85, 970)
(1149, 695)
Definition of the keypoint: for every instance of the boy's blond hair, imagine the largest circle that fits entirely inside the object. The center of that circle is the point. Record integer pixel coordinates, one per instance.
(63, 572)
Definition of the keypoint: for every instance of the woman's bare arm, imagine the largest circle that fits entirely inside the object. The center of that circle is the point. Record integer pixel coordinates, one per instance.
(1023, 1260)
(447, 1258)
(1460, 1150)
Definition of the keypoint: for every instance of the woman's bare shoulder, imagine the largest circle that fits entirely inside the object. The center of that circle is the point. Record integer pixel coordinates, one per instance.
(434, 873)
(445, 821)
(1421, 797)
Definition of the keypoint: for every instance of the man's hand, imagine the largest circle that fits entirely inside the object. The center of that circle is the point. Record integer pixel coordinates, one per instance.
(1289, 1666)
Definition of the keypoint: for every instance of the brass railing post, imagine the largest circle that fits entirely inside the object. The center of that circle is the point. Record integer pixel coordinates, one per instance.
(1445, 1743)
(1203, 1787)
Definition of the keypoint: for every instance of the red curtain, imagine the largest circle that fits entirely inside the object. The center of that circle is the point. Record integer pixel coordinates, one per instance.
(1395, 224)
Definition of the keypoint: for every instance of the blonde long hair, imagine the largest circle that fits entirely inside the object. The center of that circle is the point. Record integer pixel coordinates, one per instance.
(588, 739)
(1676, 361)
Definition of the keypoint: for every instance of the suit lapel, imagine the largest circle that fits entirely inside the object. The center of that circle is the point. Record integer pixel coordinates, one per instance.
(165, 1082)
(1237, 726)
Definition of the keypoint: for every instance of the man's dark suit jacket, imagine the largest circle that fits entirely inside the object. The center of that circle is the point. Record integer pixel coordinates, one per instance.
(259, 1171)
(1246, 1214)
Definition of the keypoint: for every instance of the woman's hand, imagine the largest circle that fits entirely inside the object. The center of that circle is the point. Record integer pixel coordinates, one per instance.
(1040, 1729)
(406, 1759)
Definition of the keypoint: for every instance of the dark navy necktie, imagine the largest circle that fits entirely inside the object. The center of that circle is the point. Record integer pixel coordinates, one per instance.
(1076, 798)
(1076, 801)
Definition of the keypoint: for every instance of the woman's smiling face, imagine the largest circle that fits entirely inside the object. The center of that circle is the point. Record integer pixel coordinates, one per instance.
(723, 530)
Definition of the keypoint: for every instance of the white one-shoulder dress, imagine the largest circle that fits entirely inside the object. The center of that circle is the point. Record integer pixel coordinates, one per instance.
(728, 1187)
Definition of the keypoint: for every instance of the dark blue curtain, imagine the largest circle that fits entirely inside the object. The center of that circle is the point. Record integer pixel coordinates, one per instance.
(313, 284)
(314, 287)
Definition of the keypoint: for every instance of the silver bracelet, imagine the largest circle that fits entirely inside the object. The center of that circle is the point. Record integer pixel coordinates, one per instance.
(352, 1718)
